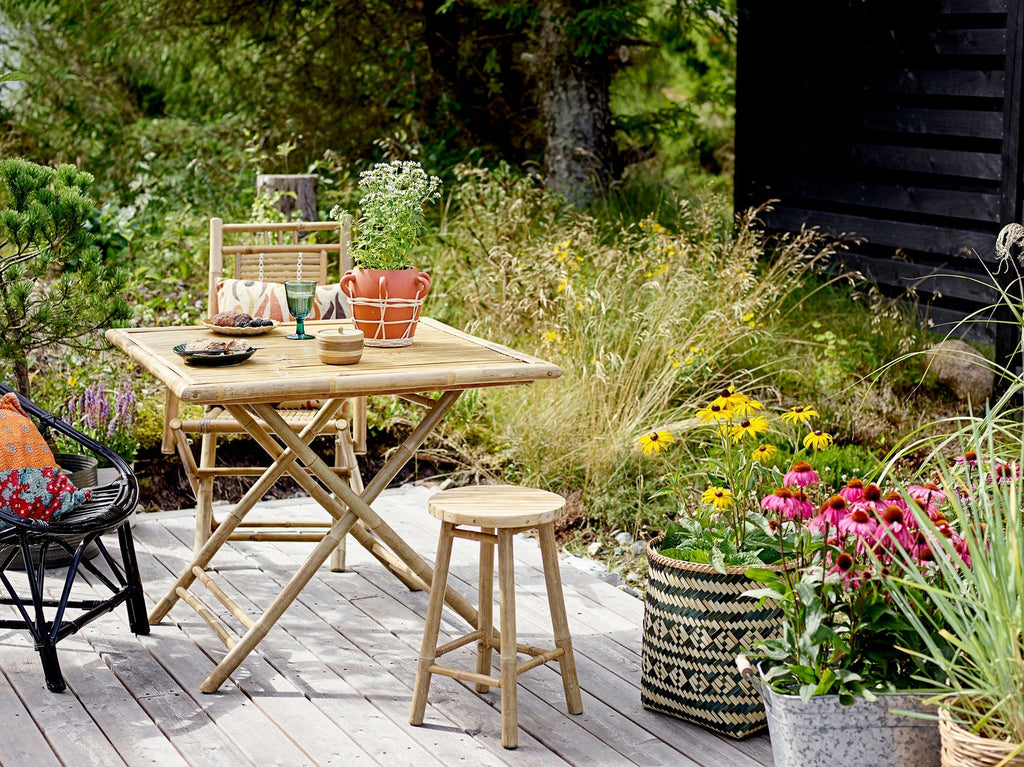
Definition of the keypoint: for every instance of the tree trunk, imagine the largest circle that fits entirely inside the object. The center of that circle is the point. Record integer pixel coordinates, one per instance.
(574, 94)
(299, 193)
(21, 379)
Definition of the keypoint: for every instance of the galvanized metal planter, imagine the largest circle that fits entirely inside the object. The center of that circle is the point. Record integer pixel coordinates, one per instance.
(819, 732)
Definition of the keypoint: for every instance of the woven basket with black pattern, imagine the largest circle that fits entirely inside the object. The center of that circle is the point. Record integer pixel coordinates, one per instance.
(695, 624)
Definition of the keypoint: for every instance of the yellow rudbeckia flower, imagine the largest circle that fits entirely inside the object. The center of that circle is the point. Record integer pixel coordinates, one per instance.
(655, 442)
(764, 453)
(818, 440)
(714, 413)
(799, 415)
(746, 407)
(749, 427)
(730, 398)
(719, 498)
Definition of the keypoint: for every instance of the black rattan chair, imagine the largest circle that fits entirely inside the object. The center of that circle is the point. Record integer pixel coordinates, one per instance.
(35, 544)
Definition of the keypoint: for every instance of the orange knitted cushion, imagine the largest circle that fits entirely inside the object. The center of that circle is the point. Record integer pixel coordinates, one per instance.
(31, 483)
(21, 444)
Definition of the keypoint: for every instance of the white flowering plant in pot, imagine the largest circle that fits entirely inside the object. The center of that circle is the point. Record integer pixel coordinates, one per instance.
(385, 291)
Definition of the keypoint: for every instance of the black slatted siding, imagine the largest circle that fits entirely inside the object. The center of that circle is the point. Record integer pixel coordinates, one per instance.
(896, 122)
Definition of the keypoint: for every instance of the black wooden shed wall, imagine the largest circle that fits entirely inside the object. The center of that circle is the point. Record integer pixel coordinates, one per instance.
(897, 121)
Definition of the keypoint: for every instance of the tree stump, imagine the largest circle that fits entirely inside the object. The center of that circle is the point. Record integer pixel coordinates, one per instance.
(299, 193)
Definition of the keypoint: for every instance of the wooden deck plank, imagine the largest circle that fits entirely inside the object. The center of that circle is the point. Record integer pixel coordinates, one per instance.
(162, 674)
(274, 711)
(600, 653)
(69, 729)
(23, 742)
(542, 687)
(355, 621)
(332, 682)
(122, 720)
(612, 641)
(360, 660)
(347, 706)
(716, 750)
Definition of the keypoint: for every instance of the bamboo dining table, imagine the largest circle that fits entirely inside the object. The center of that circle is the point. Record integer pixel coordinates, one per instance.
(442, 361)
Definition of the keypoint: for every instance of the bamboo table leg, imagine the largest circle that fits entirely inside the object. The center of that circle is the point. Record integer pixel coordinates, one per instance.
(254, 494)
(360, 504)
(351, 511)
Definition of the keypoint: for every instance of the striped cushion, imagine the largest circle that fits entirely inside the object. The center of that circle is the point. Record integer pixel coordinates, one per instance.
(267, 300)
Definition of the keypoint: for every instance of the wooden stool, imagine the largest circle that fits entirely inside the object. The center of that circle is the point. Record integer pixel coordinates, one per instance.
(499, 511)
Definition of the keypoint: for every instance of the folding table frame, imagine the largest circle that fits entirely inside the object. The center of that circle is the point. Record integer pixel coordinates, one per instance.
(442, 360)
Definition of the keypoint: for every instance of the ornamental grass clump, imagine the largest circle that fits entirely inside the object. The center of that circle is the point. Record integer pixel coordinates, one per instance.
(971, 619)
(738, 506)
(643, 320)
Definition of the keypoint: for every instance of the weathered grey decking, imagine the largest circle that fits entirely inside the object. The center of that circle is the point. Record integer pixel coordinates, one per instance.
(331, 683)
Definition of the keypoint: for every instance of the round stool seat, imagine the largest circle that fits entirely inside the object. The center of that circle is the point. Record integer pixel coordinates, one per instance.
(497, 506)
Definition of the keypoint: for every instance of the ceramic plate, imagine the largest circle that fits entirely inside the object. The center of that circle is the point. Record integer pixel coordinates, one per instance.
(229, 331)
(213, 358)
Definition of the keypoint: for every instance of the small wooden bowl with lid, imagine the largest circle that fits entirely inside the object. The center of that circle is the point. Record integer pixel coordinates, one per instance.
(339, 346)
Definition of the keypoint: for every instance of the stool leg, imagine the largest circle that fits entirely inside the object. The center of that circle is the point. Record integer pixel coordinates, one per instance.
(485, 609)
(507, 589)
(428, 650)
(559, 621)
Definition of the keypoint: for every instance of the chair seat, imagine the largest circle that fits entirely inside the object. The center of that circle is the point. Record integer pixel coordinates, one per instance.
(498, 506)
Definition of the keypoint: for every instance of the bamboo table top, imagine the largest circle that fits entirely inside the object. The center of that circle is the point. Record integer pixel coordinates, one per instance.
(441, 358)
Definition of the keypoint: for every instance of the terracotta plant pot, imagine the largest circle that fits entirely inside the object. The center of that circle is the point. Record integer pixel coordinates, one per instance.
(386, 303)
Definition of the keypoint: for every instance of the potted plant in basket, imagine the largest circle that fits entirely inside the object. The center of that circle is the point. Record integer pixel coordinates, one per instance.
(847, 659)
(695, 617)
(385, 290)
(979, 668)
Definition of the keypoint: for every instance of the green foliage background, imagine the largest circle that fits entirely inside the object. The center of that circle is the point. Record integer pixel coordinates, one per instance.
(175, 107)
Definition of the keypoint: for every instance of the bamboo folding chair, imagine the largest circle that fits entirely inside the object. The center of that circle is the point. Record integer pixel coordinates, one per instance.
(262, 256)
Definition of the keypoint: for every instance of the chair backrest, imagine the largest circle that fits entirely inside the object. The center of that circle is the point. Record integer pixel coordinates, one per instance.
(276, 252)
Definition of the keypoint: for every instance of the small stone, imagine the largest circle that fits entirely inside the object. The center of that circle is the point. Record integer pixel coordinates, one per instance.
(631, 591)
(963, 369)
(623, 538)
(634, 578)
(638, 548)
(594, 549)
(618, 551)
(612, 578)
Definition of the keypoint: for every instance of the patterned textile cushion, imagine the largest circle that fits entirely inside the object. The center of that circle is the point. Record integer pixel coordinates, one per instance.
(31, 483)
(267, 300)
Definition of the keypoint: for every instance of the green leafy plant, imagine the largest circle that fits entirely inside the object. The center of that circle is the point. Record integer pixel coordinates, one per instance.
(842, 632)
(54, 287)
(391, 213)
(976, 610)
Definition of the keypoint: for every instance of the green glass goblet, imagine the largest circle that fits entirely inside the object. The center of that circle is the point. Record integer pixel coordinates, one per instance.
(300, 303)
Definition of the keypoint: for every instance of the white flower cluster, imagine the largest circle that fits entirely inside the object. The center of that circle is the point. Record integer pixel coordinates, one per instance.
(391, 212)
